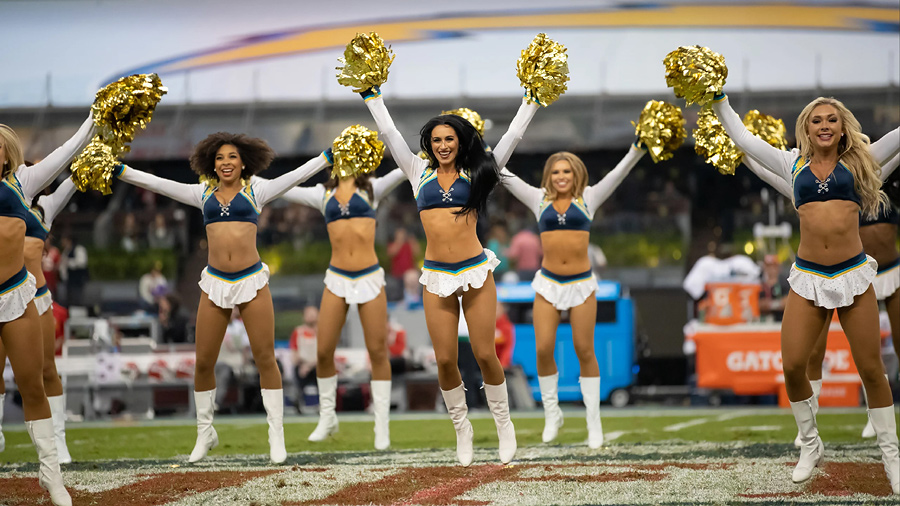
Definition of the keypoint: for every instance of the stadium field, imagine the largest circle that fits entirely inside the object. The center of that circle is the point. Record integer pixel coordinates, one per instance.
(653, 456)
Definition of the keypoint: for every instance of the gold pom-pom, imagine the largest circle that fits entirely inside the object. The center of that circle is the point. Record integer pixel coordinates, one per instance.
(767, 128)
(543, 70)
(356, 151)
(94, 167)
(695, 73)
(365, 63)
(469, 115)
(124, 106)
(714, 145)
(660, 129)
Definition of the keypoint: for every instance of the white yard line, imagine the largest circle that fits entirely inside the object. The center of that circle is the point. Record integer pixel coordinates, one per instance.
(611, 436)
(684, 425)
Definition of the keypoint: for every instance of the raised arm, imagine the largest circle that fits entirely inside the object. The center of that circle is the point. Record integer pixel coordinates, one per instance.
(886, 147)
(770, 157)
(780, 185)
(54, 203)
(596, 195)
(311, 196)
(40, 175)
(267, 190)
(504, 148)
(409, 162)
(524, 192)
(888, 168)
(190, 194)
(381, 186)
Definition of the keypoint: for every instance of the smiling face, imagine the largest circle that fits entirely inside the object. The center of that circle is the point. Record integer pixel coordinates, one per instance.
(825, 127)
(228, 164)
(562, 177)
(445, 145)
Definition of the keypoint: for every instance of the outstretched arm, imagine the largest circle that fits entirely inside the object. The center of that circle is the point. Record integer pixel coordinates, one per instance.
(886, 147)
(311, 196)
(40, 175)
(524, 192)
(267, 190)
(596, 195)
(381, 186)
(780, 185)
(770, 157)
(504, 148)
(54, 203)
(888, 168)
(409, 163)
(190, 194)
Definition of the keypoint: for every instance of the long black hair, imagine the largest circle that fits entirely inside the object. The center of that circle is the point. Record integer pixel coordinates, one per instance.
(471, 157)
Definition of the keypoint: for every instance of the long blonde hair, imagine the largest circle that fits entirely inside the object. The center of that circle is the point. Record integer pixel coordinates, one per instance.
(578, 168)
(853, 151)
(13, 147)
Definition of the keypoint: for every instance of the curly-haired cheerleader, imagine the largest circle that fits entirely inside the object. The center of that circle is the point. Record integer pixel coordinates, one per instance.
(235, 276)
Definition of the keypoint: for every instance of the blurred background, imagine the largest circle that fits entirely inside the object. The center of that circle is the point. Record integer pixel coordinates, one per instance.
(266, 68)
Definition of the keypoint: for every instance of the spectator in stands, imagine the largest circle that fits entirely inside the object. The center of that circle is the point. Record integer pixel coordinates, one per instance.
(130, 241)
(773, 290)
(304, 353)
(152, 286)
(73, 270)
(159, 236)
(412, 289)
(50, 264)
(504, 337)
(396, 338)
(173, 319)
(525, 251)
(498, 242)
(403, 250)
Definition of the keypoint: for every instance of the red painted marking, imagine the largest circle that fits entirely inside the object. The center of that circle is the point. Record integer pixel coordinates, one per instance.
(847, 478)
(771, 496)
(156, 490)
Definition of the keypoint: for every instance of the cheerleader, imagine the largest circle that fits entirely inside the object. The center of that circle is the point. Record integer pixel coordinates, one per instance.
(564, 207)
(37, 227)
(451, 190)
(833, 177)
(879, 241)
(353, 277)
(20, 323)
(235, 276)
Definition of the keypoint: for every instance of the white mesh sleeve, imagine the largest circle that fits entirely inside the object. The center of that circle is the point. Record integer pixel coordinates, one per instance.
(409, 162)
(886, 147)
(597, 194)
(55, 202)
(40, 175)
(190, 194)
(267, 190)
(524, 192)
(505, 146)
(383, 185)
(311, 196)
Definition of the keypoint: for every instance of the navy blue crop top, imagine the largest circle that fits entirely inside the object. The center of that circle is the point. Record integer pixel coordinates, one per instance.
(357, 207)
(242, 207)
(576, 217)
(12, 198)
(430, 195)
(889, 215)
(839, 185)
(34, 225)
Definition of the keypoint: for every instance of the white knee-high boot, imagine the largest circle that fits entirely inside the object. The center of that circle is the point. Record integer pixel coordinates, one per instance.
(885, 426)
(58, 415)
(207, 438)
(553, 416)
(273, 401)
(868, 430)
(455, 399)
(49, 476)
(2, 437)
(812, 451)
(817, 389)
(590, 393)
(498, 402)
(328, 422)
(381, 408)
